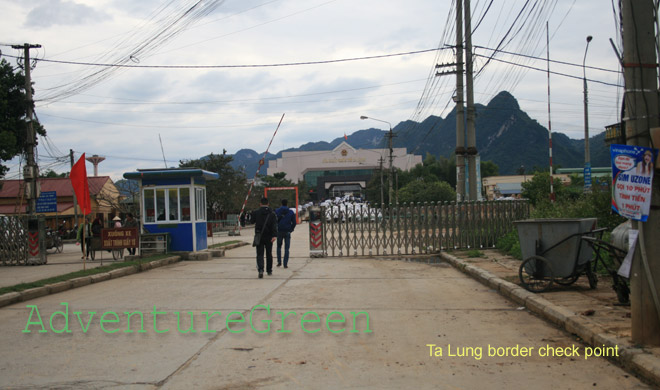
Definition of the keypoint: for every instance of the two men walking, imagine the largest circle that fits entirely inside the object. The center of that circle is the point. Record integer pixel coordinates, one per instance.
(268, 227)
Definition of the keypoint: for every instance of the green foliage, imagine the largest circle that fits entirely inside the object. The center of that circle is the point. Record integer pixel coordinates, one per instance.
(52, 174)
(432, 170)
(537, 190)
(596, 204)
(13, 110)
(422, 191)
(510, 244)
(226, 194)
(489, 168)
(275, 197)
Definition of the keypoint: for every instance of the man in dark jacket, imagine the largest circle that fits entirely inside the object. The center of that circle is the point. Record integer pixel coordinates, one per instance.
(286, 222)
(265, 222)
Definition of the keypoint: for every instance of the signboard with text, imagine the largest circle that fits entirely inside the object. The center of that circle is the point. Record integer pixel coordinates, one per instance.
(632, 175)
(47, 202)
(119, 238)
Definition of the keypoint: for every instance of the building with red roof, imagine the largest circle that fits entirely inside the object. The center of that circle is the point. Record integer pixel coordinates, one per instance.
(104, 197)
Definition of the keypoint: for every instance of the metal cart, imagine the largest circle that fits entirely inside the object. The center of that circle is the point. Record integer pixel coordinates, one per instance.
(556, 251)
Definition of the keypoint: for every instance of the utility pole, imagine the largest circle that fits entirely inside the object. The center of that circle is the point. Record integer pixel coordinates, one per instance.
(460, 116)
(641, 114)
(31, 170)
(380, 162)
(469, 85)
(547, 50)
(587, 155)
(75, 201)
(391, 170)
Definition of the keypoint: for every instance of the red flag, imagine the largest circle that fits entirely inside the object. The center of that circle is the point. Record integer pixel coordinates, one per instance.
(80, 185)
(345, 137)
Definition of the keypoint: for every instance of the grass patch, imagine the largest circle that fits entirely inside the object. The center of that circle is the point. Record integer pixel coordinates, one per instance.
(475, 253)
(220, 245)
(77, 274)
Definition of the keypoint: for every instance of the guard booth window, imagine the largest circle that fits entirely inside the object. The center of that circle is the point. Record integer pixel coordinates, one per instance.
(200, 203)
(149, 206)
(171, 204)
(185, 203)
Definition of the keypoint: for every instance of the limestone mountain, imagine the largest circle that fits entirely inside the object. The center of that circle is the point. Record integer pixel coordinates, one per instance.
(506, 135)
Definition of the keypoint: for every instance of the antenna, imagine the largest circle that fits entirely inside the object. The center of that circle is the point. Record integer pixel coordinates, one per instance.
(161, 149)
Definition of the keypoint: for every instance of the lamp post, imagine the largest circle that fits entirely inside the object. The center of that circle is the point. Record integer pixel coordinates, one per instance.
(391, 195)
(587, 158)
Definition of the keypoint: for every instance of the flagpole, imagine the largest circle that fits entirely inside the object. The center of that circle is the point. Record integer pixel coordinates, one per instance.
(78, 177)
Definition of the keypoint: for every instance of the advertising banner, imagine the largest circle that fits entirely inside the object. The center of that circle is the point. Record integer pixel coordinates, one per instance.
(632, 175)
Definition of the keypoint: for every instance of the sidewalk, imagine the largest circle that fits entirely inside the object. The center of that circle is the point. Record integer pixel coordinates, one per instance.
(70, 261)
(592, 315)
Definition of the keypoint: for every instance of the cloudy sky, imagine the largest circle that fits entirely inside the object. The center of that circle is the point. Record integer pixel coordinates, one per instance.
(230, 75)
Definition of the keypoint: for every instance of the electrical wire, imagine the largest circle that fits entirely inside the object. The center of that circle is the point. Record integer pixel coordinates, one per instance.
(287, 64)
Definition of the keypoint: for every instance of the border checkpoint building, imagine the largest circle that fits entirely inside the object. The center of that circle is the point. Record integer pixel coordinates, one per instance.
(341, 171)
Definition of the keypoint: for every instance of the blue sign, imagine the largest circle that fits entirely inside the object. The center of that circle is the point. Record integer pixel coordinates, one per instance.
(587, 175)
(47, 202)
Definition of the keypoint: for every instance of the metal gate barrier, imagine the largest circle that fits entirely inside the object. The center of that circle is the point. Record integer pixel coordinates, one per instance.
(13, 240)
(408, 229)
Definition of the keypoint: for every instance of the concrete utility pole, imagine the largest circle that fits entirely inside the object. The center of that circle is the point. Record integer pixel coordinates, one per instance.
(460, 117)
(469, 85)
(391, 170)
(31, 170)
(641, 114)
(587, 156)
(380, 162)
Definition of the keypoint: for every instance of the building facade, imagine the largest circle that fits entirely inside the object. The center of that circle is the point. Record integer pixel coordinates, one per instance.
(343, 170)
(104, 198)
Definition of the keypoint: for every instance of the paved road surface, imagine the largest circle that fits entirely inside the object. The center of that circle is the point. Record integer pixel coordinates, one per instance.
(410, 305)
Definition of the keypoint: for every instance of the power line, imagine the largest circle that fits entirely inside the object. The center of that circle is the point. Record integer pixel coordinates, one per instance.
(552, 72)
(545, 59)
(125, 65)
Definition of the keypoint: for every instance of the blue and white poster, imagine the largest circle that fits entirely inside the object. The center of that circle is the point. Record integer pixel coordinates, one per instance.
(632, 175)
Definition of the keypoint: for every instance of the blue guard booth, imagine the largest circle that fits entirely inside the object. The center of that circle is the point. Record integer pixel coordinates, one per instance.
(173, 201)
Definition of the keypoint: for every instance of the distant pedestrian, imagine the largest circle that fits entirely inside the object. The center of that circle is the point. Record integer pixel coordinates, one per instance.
(97, 226)
(265, 230)
(85, 230)
(131, 223)
(286, 223)
(117, 221)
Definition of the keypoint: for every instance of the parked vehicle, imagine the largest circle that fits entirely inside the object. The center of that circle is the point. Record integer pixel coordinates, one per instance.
(54, 240)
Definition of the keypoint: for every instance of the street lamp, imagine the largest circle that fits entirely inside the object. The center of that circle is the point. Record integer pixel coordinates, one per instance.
(391, 197)
(587, 158)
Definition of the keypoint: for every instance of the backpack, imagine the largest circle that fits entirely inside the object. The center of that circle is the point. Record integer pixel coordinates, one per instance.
(285, 221)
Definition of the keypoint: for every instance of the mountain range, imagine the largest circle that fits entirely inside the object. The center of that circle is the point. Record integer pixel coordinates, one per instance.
(506, 135)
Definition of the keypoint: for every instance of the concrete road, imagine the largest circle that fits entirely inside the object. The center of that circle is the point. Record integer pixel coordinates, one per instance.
(410, 306)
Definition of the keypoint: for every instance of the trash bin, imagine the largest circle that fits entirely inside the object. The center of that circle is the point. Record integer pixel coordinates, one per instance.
(558, 241)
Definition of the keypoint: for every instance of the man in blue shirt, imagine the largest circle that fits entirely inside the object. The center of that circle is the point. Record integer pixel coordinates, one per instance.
(286, 222)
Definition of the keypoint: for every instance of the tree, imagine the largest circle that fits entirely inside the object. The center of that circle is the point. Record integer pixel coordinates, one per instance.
(423, 191)
(226, 194)
(538, 189)
(52, 174)
(13, 111)
(489, 168)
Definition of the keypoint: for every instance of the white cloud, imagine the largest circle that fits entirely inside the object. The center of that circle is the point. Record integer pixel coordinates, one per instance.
(199, 111)
(49, 13)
